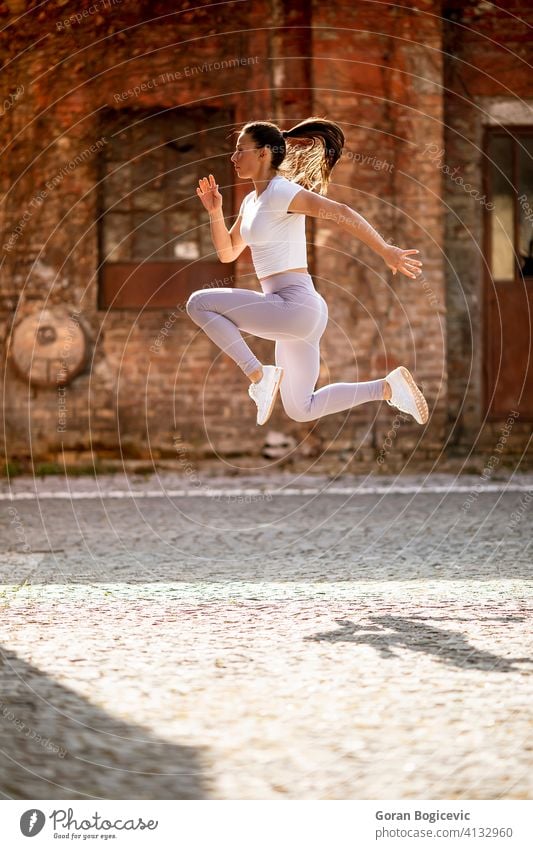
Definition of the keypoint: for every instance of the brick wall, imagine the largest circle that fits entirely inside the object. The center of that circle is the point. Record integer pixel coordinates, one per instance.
(127, 400)
(379, 74)
(489, 48)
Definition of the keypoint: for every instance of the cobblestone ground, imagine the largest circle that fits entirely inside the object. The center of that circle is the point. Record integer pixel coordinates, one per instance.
(365, 643)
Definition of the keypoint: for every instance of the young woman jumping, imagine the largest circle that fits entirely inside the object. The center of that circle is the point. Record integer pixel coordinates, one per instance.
(290, 181)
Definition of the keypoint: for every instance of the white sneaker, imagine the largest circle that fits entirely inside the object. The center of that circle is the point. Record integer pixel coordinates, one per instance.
(406, 396)
(264, 392)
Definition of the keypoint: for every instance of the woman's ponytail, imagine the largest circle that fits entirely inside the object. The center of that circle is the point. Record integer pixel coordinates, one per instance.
(311, 165)
(314, 146)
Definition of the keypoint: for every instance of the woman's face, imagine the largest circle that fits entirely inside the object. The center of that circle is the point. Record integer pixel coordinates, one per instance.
(246, 157)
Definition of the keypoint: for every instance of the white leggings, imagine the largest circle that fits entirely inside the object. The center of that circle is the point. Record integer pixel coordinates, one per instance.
(292, 313)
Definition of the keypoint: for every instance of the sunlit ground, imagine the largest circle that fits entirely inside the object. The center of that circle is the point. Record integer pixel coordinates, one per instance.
(371, 644)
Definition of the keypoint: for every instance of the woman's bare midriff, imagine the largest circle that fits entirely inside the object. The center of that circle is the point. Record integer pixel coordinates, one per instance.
(285, 272)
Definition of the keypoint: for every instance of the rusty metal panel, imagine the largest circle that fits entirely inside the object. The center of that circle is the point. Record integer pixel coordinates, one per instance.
(508, 300)
(509, 364)
(152, 285)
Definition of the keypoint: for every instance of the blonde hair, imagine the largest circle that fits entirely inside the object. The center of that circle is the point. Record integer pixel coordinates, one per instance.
(314, 146)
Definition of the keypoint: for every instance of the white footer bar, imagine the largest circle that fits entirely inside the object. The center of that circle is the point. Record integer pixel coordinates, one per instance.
(264, 824)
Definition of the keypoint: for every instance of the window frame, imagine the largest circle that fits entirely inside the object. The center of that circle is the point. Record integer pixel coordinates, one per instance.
(493, 289)
(509, 131)
(194, 273)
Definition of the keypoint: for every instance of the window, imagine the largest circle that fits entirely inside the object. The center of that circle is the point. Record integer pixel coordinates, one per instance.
(508, 302)
(510, 203)
(154, 236)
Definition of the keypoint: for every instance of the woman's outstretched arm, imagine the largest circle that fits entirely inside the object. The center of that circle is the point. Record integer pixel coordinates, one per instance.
(318, 206)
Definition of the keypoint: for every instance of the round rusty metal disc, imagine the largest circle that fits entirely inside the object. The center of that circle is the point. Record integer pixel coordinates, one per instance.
(49, 347)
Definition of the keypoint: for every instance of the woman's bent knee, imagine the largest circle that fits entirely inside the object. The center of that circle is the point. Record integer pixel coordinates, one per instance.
(194, 304)
(299, 414)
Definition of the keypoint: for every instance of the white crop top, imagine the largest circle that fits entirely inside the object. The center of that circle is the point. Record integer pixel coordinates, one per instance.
(276, 237)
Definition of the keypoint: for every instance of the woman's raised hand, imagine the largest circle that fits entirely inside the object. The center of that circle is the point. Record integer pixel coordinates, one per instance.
(209, 194)
(399, 260)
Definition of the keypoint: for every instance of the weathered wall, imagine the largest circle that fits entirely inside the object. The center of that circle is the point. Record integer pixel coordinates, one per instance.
(380, 75)
(487, 78)
(126, 400)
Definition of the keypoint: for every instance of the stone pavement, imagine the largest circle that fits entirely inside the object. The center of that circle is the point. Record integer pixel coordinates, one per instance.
(271, 638)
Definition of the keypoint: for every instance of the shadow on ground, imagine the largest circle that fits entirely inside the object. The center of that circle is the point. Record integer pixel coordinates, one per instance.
(56, 745)
(452, 648)
(425, 536)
